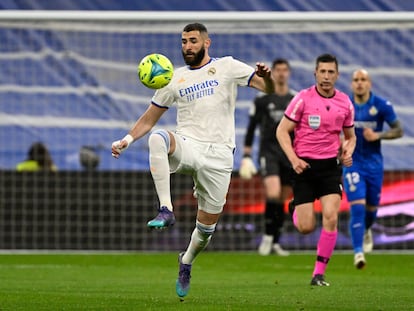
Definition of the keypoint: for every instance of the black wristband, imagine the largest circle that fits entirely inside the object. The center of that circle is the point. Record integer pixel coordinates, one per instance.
(247, 155)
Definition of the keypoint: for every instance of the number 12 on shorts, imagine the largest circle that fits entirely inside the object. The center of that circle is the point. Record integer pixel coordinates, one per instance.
(352, 179)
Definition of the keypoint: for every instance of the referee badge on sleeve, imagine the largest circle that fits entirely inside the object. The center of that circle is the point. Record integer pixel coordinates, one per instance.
(314, 121)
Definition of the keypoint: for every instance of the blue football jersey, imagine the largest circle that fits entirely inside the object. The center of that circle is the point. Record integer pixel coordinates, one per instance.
(372, 115)
(364, 178)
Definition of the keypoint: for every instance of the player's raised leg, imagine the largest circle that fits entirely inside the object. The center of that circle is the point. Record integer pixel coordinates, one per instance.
(304, 217)
(160, 145)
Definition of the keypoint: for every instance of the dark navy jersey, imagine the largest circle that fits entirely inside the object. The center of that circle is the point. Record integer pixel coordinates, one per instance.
(372, 115)
(266, 112)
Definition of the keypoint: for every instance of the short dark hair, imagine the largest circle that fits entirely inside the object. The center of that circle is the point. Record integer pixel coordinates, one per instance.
(195, 27)
(327, 58)
(280, 61)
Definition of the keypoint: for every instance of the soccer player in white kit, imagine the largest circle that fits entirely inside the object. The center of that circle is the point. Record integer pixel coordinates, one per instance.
(204, 140)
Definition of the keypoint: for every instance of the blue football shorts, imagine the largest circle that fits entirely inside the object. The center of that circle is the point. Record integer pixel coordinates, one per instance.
(362, 181)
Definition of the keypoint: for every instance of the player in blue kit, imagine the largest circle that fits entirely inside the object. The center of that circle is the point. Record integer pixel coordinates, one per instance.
(363, 180)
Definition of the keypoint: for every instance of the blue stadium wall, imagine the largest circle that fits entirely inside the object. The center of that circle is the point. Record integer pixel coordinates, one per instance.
(104, 108)
(212, 5)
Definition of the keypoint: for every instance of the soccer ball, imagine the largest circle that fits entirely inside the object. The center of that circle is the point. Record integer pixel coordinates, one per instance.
(155, 71)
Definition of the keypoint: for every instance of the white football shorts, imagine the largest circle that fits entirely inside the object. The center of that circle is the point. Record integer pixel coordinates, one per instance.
(210, 165)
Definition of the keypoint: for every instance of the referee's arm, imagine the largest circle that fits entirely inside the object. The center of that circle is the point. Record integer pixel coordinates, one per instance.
(283, 133)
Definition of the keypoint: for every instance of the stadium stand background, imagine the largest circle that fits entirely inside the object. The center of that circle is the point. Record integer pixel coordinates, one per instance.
(213, 5)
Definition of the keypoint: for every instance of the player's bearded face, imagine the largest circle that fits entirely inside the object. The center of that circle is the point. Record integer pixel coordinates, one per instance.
(192, 58)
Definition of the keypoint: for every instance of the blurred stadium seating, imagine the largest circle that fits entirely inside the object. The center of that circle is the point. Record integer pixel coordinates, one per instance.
(186, 5)
(71, 85)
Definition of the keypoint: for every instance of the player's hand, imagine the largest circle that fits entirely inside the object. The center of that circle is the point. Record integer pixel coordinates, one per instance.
(346, 161)
(247, 168)
(262, 70)
(119, 146)
(346, 154)
(370, 135)
(299, 165)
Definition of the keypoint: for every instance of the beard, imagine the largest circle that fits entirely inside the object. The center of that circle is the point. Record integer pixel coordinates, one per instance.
(194, 59)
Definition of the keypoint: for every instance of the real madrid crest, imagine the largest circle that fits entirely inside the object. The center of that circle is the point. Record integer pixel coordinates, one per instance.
(211, 71)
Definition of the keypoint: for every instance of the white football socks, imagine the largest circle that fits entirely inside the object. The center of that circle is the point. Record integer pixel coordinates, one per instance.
(199, 240)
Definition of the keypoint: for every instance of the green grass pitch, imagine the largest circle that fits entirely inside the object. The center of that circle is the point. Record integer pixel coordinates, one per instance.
(220, 281)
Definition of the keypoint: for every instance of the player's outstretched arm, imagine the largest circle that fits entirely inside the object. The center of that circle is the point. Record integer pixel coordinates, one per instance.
(141, 127)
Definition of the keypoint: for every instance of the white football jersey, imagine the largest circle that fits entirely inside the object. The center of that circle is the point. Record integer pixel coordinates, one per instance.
(205, 99)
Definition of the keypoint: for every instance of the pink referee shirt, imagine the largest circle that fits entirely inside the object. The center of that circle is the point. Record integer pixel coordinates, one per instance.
(319, 122)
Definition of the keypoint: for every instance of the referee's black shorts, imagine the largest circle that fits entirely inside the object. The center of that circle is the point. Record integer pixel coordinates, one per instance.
(322, 178)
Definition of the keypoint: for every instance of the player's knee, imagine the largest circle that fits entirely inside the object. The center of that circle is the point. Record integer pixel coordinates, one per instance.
(306, 228)
(159, 139)
(273, 195)
(330, 221)
(306, 225)
(205, 230)
(210, 211)
(305, 218)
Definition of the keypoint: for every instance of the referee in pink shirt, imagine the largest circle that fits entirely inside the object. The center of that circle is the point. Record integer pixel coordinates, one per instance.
(317, 116)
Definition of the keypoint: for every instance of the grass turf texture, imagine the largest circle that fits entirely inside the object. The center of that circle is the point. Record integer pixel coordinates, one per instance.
(220, 281)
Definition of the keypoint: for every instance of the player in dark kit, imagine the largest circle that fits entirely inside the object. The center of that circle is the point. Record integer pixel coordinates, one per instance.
(266, 112)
